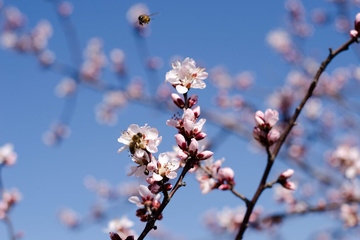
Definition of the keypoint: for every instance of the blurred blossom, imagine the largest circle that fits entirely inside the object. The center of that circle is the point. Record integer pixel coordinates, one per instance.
(280, 40)
(24, 43)
(65, 8)
(9, 199)
(349, 214)
(319, 16)
(222, 99)
(237, 102)
(313, 108)
(40, 35)
(221, 78)
(101, 188)
(298, 207)
(283, 195)
(310, 65)
(66, 87)
(117, 57)
(115, 99)
(7, 154)
(229, 219)
(296, 151)
(46, 57)
(295, 8)
(69, 218)
(282, 99)
(154, 63)
(94, 61)
(14, 19)
(105, 114)
(128, 189)
(297, 79)
(121, 226)
(8, 39)
(58, 132)
(135, 89)
(244, 80)
(356, 73)
(347, 159)
(342, 24)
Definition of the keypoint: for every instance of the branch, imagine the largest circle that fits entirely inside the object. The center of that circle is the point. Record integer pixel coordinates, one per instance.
(272, 155)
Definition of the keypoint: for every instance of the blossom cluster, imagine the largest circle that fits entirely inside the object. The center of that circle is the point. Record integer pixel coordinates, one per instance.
(264, 132)
(142, 143)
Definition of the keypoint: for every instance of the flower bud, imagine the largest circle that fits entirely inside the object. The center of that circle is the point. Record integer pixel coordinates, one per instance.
(357, 22)
(177, 100)
(114, 236)
(181, 142)
(193, 100)
(204, 155)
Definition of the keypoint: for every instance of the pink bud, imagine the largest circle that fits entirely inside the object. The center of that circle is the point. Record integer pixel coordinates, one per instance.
(196, 111)
(273, 136)
(193, 147)
(114, 236)
(286, 174)
(354, 33)
(271, 117)
(181, 142)
(193, 100)
(226, 174)
(204, 155)
(357, 22)
(177, 100)
(200, 135)
(182, 155)
(259, 118)
(289, 185)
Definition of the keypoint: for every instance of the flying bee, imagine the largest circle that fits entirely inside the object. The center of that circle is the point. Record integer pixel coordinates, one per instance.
(135, 142)
(145, 19)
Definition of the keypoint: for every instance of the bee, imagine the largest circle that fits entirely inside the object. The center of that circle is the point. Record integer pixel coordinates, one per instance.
(135, 142)
(145, 19)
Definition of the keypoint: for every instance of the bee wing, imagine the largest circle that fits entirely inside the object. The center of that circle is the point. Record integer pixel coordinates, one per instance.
(153, 14)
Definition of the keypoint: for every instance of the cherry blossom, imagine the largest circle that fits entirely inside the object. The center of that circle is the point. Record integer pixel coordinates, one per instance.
(264, 131)
(140, 139)
(166, 167)
(186, 75)
(149, 203)
(7, 154)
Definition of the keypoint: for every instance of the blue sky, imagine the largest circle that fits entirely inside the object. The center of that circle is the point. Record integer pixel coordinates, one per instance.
(230, 33)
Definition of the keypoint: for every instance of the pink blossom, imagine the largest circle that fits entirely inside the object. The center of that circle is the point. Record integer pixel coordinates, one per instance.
(186, 75)
(7, 154)
(138, 139)
(166, 167)
(270, 117)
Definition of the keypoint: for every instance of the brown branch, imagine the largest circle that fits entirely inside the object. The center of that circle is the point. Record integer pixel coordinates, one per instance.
(272, 154)
(167, 197)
